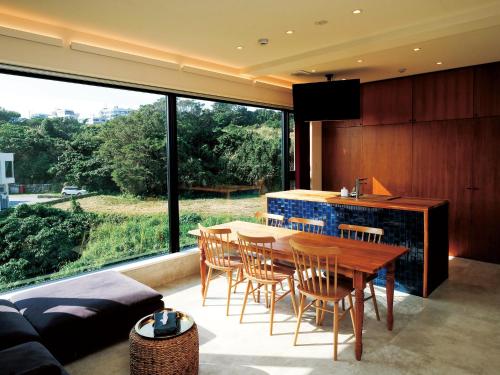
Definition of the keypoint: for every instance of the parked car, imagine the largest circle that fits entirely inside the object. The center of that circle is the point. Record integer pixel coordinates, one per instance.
(73, 190)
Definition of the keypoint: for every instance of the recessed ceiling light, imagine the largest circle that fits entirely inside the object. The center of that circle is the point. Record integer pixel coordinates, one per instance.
(360, 61)
(343, 79)
(239, 48)
(313, 70)
(416, 49)
(289, 32)
(321, 22)
(357, 11)
(402, 70)
(439, 63)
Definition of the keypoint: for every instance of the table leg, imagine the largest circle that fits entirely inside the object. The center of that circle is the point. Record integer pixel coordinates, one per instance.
(359, 283)
(389, 288)
(203, 266)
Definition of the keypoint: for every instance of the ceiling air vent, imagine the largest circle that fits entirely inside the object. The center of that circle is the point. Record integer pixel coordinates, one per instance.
(301, 73)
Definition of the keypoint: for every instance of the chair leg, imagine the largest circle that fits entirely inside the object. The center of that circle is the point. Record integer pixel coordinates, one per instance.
(245, 300)
(291, 284)
(209, 276)
(323, 312)
(273, 304)
(374, 299)
(317, 304)
(267, 296)
(353, 318)
(230, 281)
(343, 304)
(239, 277)
(301, 311)
(335, 328)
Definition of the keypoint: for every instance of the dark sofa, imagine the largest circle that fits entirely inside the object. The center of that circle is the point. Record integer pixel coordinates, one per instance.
(69, 319)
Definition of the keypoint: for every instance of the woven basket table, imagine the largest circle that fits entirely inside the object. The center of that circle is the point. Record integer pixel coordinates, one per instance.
(176, 355)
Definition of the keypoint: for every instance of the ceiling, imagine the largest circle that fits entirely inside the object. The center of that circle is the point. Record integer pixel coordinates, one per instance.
(383, 35)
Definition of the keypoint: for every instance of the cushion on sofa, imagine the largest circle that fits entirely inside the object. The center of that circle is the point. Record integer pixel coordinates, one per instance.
(77, 316)
(14, 328)
(30, 358)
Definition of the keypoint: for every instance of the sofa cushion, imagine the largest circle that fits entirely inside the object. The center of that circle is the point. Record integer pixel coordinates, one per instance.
(30, 358)
(76, 316)
(14, 328)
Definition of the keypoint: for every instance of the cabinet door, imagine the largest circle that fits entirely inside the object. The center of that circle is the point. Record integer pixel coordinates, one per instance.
(341, 156)
(486, 199)
(487, 90)
(386, 159)
(442, 153)
(387, 102)
(443, 95)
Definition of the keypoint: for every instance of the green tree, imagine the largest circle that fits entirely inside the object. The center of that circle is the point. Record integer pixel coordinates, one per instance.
(8, 116)
(134, 148)
(81, 164)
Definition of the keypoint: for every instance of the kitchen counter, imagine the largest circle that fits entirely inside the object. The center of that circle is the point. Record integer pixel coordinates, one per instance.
(366, 200)
(419, 224)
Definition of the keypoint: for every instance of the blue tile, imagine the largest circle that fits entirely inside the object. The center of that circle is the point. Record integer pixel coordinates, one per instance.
(401, 228)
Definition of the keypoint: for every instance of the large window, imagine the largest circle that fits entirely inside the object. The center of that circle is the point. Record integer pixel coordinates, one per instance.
(107, 148)
(229, 157)
(91, 173)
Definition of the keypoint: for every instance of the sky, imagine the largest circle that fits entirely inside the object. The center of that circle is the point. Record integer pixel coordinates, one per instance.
(34, 95)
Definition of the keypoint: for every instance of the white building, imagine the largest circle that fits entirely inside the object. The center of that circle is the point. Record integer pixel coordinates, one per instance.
(64, 113)
(6, 177)
(107, 114)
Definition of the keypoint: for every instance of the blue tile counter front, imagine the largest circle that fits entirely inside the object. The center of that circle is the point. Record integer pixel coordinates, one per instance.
(402, 228)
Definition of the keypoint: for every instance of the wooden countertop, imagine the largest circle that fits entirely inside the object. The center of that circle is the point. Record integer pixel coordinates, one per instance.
(367, 200)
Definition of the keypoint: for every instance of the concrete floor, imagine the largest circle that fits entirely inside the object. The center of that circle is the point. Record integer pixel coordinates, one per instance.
(455, 331)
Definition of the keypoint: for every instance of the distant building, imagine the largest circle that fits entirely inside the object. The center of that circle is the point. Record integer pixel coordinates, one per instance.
(107, 114)
(39, 116)
(64, 113)
(6, 177)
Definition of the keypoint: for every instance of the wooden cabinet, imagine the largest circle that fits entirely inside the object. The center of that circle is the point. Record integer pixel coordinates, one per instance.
(441, 166)
(488, 90)
(485, 209)
(341, 156)
(387, 102)
(443, 95)
(386, 159)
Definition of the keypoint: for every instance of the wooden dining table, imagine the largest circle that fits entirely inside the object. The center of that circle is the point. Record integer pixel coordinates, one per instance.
(359, 259)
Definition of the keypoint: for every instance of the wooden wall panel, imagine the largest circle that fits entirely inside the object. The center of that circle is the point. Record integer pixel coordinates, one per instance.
(386, 159)
(488, 90)
(443, 95)
(485, 220)
(442, 160)
(341, 156)
(387, 102)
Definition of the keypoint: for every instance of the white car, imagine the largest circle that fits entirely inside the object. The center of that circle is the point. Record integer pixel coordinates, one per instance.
(73, 190)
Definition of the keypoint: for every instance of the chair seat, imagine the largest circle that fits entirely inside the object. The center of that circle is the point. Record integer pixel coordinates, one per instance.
(344, 288)
(232, 261)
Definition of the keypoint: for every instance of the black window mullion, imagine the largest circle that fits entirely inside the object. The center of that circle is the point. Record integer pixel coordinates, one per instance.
(172, 174)
(285, 150)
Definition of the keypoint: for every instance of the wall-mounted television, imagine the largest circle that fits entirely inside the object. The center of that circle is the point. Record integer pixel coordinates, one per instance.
(323, 101)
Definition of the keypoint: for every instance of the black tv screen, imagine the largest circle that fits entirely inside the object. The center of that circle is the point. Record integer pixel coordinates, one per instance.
(322, 101)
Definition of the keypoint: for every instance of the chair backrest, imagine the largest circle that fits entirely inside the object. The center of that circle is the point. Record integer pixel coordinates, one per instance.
(314, 265)
(358, 232)
(217, 246)
(257, 256)
(271, 220)
(307, 225)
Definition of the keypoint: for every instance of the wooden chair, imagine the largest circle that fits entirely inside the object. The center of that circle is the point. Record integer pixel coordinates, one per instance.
(307, 225)
(271, 220)
(259, 267)
(218, 257)
(314, 265)
(357, 232)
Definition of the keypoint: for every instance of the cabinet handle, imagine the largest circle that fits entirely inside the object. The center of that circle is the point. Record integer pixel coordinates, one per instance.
(471, 188)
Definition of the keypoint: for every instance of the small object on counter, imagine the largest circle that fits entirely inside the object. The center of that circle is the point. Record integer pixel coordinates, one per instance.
(165, 323)
(344, 192)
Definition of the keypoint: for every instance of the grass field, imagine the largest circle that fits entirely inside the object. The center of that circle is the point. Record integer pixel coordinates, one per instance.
(131, 206)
